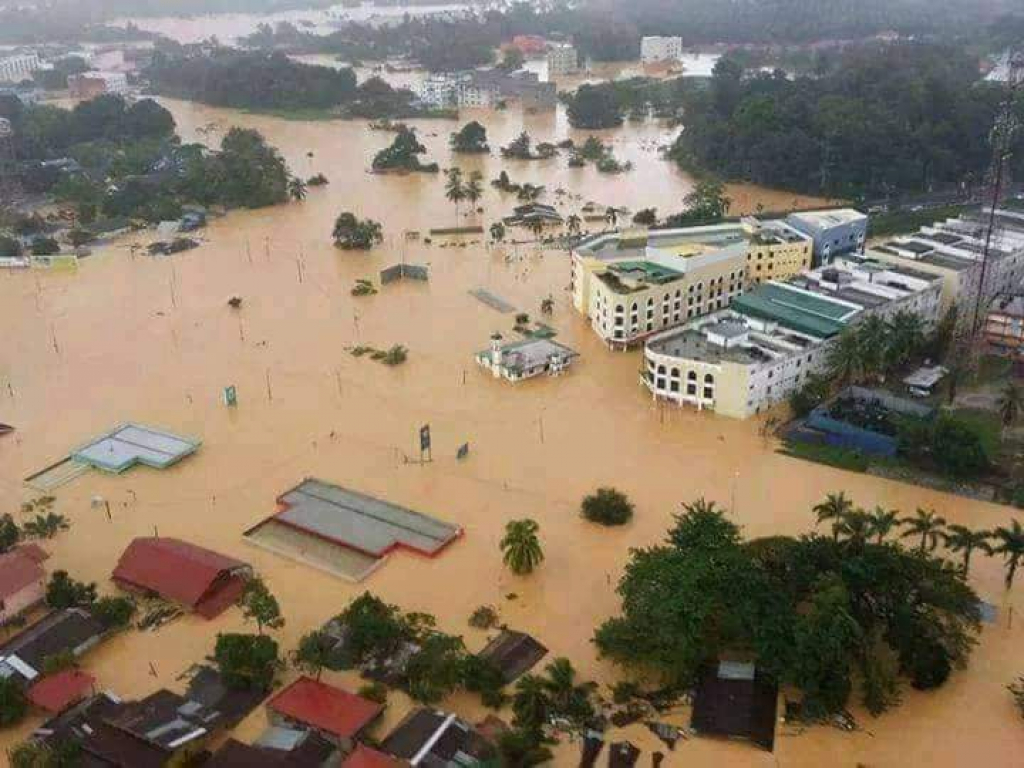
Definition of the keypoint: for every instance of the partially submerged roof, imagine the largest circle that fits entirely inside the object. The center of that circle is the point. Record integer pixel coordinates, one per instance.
(347, 531)
(71, 630)
(56, 692)
(19, 568)
(733, 699)
(131, 444)
(311, 750)
(201, 579)
(325, 708)
(434, 738)
(364, 757)
(514, 653)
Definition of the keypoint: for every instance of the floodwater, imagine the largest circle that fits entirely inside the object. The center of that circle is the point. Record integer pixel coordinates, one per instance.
(131, 338)
(228, 28)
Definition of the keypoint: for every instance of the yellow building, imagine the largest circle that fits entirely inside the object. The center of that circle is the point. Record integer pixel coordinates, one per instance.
(634, 283)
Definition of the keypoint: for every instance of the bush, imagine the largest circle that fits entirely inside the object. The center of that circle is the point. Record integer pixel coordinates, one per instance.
(64, 592)
(247, 661)
(13, 706)
(114, 611)
(484, 617)
(377, 692)
(483, 677)
(45, 246)
(607, 507)
(9, 247)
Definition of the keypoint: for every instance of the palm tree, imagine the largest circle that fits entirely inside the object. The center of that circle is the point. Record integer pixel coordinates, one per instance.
(46, 526)
(573, 224)
(927, 525)
(960, 538)
(568, 698)
(1011, 547)
(883, 521)
(845, 360)
(297, 188)
(531, 702)
(906, 337)
(473, 189)
(497, 231)
(454, 189)
(612, 217)
(1011, 402)
(833, 508)
(521, 547)
(547, 306)
(855, 526)
(537, 227)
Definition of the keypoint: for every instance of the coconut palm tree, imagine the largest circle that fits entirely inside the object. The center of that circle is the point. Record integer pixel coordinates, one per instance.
(497, 231)
(906, 337)
(873, 337)
(927, 525)
(45, 526)
(568, 698)
(883, 521)
(1011, 547)
(547, 306)
(531, 702)
(454, 189)
(854, 526)
(833, 508)
(960, 538)
(573, 224)
(1010, 404)
(845, 360)
(473, 189)
(297, 188)
(520, 546)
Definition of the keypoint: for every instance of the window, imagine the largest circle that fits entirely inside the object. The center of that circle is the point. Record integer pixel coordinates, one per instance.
(674, 386)
(691, 376)
(709, 379)
(674, 373)
(709, 393)
(691, 389)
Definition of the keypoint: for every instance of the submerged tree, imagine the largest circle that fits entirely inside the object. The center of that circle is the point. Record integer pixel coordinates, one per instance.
(521, 550)
(1010, 544)
(260, 605)
(607, 506)
(351, 233)
(470, 139)
(927, 525)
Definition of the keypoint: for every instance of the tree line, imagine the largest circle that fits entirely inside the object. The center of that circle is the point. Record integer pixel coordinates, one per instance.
(887, 119)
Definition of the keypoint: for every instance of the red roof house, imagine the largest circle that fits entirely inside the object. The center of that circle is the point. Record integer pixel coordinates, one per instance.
(58, 691)
(204, 581)
(336, 714)
(364, 757)
(22, 581)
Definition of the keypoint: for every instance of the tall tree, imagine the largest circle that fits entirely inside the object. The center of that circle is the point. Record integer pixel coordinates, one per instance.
(520, 546)
(454, 189)
(1010, 544)
(960, 538)
(883, 522)
(927, 525)
(833, 508)
(260, 605)
(1010, 404)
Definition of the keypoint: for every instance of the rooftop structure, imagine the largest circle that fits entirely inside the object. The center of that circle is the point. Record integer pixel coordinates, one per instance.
(1004, 325)
(307, 751)
(834, 232)
(19, 66)
(486, 88)
(514, 653)
(562, 59)
(55, 693)
(733, 700)
(365, 757)
(525, 359)
(335, 714)
(131, 444)
(430, 738)
(89, 85)
(345, 532)
(203, 581)
(746, 358)
(70, 630)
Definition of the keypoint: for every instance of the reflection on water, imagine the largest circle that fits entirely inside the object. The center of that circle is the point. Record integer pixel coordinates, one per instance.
(141, 339)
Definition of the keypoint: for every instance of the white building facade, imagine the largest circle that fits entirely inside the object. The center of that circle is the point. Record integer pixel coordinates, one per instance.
(14, 69)
(562, 59)
(657, 49)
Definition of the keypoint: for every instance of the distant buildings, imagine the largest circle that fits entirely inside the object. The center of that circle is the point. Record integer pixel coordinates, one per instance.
(1004, 326)
(18, 67)
(525, 359)
(636, 283)
(953, 250)
(834, 232)
(658, 49)
(89, 85)
(562, 59)
(751, 356)
(486, 88)
(529, 44)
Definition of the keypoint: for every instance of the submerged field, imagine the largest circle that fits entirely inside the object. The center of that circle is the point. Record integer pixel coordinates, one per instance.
(153, 341)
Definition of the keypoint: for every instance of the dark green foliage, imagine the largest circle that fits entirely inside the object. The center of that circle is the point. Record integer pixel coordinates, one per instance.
(250, 80)
(377, 692)
(523, 748)
(471, 138)
(247, 173)
(313, 653)
(13, 706)
(607, 506)
(64, 592)
(375, 629)
(512, 59)
(403, 154)
(260, 605)
(56, 78)
(483, 617)
(706, 204)
(351, 233)
(812, 394)
(949, 444)
(886, 117)
(114, 611)
(9, 247)
(436, 669)
(647, 217)
(593, 107)
(54, 753)
(45, 246)
(817, 612)
(483, 677)
(247, 661)
(10, 534)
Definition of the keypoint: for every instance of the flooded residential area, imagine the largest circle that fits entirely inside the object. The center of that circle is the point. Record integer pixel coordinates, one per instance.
(265, 305)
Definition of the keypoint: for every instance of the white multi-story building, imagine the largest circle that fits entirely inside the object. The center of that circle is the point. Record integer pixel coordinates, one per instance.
(20, 66)
(660, 49)
(753, 355)
(562, 59)
(635, 283)
(485, 88)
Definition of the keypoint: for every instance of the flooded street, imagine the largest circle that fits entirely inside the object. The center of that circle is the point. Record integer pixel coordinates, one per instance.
(153, 341)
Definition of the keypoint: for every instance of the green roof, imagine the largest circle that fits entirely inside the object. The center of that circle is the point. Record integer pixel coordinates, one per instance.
(655, 273)
(813, 315)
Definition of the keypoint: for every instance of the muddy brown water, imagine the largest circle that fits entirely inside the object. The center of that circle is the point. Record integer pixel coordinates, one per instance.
(131, 338)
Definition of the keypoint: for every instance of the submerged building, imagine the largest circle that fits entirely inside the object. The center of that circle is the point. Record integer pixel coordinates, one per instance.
(525, 359)
(634, 283)
(751, 356)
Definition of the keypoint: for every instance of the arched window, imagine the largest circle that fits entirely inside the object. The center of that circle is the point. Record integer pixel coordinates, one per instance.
(691, 376)
(675, 373)
(619, 309)
(709, 379)
(661, 370)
